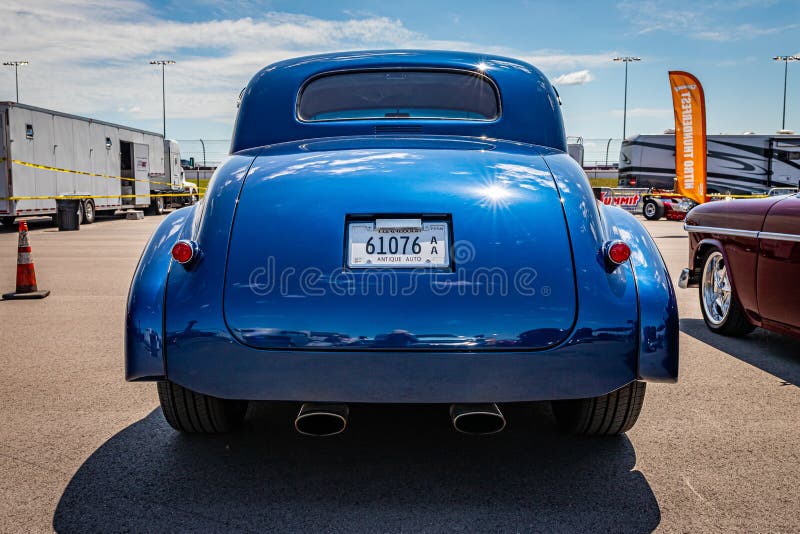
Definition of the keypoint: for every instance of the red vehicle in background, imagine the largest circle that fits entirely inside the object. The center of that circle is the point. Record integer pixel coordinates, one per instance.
(653, 204)
(674, 207)
(658, 204)
(745, 259)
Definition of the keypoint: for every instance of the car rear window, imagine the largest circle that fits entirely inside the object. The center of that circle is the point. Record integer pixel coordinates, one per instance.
(399, 94)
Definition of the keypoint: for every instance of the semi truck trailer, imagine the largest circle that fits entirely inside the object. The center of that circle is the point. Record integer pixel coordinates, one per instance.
(46, 154)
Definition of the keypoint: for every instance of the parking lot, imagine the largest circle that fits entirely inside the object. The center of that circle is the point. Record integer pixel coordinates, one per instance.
(82, 450)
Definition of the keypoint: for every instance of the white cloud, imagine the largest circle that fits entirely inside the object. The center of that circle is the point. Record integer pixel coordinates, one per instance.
(742, 31)
(86, 56)
(574, 78)
(695, 20)
(545, 59)
(92, 56)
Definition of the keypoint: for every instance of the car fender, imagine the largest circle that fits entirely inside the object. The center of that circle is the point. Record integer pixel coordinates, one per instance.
(697, 267)
(658, 308)
(696, 273)
(144, 320)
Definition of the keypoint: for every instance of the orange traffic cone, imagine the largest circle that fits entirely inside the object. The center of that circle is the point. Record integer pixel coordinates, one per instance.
(26, 276)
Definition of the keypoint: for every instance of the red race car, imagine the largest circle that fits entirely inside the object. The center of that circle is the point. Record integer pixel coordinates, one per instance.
(745, 258)
(668, 205)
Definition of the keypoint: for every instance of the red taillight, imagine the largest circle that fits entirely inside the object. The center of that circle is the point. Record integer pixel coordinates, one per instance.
(618, 252)
(632, 182)
(183, 251)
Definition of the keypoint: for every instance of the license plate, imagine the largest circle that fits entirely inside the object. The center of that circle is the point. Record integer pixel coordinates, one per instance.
(398, 243)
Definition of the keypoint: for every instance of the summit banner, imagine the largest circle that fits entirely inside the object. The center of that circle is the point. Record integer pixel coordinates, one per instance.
(689, 104)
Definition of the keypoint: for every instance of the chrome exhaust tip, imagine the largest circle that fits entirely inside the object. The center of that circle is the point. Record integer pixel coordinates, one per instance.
(477, 419)
(320, 420)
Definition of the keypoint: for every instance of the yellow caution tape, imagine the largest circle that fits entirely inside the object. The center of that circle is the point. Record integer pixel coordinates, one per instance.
(712, 195)
(83, 197)
(97, 175)
(111, 177)
(85, 173)
(720, 195)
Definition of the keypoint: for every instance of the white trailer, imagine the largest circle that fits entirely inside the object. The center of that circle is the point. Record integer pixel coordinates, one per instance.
(46, 154)
(737, 164)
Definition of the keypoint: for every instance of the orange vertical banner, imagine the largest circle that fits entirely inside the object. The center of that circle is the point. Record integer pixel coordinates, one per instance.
(689, 104)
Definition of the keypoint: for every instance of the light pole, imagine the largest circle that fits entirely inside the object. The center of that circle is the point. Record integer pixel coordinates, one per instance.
(163, 63)
(16, 65)
(786, 60)
(626, 60)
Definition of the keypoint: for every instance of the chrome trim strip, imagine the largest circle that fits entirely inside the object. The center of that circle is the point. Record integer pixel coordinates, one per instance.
(723, 231)
(779, 237)
(742, 233)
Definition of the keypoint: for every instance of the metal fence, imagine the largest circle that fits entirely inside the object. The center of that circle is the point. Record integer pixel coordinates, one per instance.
(206, 152)
(599, 152)
(210, 152)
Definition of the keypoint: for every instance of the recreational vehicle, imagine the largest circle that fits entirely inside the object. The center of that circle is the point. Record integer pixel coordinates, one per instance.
(737, 164)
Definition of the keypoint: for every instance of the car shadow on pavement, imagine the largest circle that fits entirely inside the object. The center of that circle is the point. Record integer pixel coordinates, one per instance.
(776, 354)
(395, 468)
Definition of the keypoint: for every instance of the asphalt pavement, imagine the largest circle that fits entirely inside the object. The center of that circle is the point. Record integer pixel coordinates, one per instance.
(81, 450)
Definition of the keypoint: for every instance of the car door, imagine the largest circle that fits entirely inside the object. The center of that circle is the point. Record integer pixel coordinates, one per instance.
(779, 264)
(141, 172)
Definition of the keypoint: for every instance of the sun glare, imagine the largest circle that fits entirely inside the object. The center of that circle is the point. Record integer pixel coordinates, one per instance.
(496, 195)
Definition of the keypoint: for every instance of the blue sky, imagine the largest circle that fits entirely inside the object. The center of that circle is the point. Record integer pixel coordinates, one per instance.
(90, 56)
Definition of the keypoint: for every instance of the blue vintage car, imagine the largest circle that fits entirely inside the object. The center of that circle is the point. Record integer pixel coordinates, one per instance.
(401, 227)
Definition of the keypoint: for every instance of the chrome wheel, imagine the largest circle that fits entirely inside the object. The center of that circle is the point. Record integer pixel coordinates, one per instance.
(716, 289)
(649, 209)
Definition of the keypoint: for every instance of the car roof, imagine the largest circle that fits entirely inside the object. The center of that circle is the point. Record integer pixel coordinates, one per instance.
(530, 105)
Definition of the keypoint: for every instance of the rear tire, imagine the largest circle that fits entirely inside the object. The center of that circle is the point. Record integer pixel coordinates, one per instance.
(7, 221)
(156, 206)
(188, 411)
(606, 415)
(653, 209)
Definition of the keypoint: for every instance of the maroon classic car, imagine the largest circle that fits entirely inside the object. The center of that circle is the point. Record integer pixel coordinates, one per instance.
(745, 258)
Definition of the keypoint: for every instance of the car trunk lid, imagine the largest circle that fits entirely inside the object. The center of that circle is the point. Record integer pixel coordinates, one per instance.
(509, 282)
